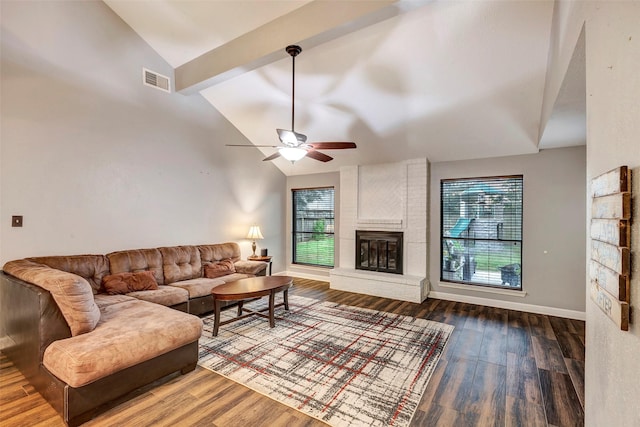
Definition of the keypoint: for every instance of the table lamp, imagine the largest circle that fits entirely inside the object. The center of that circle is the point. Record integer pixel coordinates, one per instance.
(254, 233)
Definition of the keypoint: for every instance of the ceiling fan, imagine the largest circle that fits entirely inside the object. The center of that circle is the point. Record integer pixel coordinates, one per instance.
(295, 145)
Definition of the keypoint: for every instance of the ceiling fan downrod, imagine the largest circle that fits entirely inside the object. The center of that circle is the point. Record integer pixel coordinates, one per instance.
(293, 50)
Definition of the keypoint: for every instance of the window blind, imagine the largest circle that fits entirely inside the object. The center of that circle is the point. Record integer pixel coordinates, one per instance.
(313, 226)
(481, 231)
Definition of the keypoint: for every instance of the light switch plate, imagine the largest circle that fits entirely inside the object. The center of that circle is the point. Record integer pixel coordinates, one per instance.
(16, 221)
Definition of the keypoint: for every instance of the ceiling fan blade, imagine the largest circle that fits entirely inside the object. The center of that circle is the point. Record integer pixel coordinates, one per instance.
(290, 137)
(271, 157)
(251, 145)
(319, 156)
(332, 145)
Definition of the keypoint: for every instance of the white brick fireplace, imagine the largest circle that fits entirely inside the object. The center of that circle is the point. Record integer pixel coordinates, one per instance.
(386, 197)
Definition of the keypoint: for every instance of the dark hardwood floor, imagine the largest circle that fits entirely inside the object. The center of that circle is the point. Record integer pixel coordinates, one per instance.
(500, 368)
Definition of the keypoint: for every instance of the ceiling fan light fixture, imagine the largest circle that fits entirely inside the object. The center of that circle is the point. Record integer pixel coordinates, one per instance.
(293, 154)
(295, 143)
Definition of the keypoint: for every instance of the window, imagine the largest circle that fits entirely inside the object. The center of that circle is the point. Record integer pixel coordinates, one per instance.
(313, 226)
(481, 231)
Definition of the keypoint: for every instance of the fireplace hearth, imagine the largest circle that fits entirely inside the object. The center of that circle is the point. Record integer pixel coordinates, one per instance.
(379, 251)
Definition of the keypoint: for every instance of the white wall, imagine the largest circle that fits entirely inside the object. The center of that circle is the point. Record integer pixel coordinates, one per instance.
(310, 181)
(612, 50)
(565, 30)
(97, 162)
(612, 371)
(553, 221)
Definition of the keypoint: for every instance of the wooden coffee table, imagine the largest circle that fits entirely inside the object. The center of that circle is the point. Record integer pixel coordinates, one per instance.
(244, 289)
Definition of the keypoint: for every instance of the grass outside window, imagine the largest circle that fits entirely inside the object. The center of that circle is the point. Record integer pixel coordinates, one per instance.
(318, 252)
(313, 227)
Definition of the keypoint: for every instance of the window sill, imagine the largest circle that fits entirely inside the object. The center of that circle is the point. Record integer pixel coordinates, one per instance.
(510, 292)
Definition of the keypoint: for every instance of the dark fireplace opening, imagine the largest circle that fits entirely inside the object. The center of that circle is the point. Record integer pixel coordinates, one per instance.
(379, 251)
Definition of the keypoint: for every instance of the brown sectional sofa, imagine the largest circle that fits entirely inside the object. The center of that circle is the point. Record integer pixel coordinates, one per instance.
(84, 349)
(179, 271)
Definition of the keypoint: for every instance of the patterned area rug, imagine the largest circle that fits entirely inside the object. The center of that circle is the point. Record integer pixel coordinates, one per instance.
(344, 365)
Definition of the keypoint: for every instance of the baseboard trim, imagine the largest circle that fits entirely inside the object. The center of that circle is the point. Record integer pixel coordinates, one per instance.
(518, 306)
(301, 275)
(529, 308)
(490, 290)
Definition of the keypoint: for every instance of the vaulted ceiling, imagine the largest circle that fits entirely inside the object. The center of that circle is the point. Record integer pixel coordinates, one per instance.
(445, 80)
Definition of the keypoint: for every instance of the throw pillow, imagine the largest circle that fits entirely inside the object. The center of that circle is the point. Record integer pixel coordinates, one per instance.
(220, 268)
(123, 283)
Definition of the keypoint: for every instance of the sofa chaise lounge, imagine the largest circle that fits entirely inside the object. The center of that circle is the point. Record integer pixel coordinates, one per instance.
(83, 348)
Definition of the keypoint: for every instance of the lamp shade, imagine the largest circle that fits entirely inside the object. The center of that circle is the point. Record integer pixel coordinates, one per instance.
(254, 233)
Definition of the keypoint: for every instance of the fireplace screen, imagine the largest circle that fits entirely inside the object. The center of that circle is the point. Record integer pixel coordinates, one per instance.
(379, 251)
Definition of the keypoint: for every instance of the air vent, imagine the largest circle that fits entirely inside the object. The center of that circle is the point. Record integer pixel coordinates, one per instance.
(153, 79)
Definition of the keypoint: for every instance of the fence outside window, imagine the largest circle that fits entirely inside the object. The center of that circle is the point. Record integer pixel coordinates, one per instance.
(481, 231)
(313, 226)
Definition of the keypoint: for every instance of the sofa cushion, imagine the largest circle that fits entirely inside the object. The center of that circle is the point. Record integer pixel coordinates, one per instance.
(72, 293)
(123, 283)
(136, 260)
(91, 267)
(180, 263)
(199, 287)
(164, 295)
(104, 300)
(220, 251)
(129, 332)
(220, 268)
(250, 267)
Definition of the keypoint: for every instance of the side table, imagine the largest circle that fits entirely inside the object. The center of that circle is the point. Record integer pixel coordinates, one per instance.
(266, 259)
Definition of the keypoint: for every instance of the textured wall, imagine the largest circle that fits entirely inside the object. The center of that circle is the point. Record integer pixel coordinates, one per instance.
(388, 196)
(613, 139)
(385, 197)
(96, 162)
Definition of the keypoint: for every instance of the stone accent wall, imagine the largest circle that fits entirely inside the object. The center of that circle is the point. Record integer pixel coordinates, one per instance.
(385, 197)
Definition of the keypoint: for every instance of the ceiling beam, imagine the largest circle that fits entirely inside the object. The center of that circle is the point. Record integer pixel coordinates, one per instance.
(310, 25)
